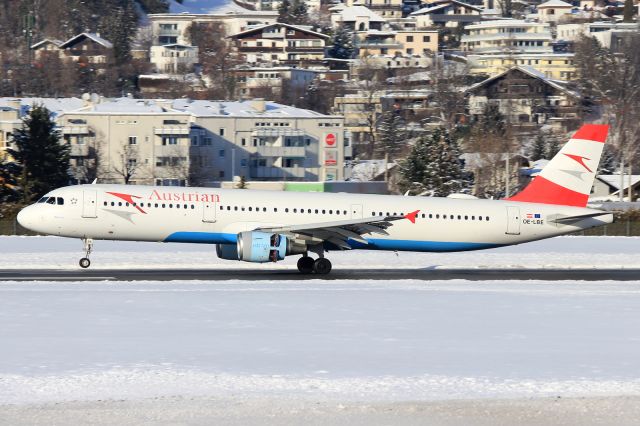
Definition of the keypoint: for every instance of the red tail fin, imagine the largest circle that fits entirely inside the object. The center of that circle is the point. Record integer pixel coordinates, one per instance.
(568, 178)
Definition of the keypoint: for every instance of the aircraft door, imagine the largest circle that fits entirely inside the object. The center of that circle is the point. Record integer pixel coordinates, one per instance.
(89, 203)
(356, 211)
(513, 220)
(209, 212)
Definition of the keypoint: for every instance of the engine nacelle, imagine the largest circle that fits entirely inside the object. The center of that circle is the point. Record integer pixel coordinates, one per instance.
(227, 251)
(260, 247)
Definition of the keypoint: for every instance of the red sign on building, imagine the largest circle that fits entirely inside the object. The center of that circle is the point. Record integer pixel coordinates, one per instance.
(330, 139)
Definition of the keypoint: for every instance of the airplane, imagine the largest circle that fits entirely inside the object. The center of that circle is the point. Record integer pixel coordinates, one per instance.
(266, 226)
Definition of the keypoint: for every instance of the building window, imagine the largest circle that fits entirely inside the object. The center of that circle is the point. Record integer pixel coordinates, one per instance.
(221, 174)
(207, 142)
(221, 153)
(133, 140)
(169, 140)
(221, 132)
(194, 141)
(409, 39)
(426, 39)
(243, 141)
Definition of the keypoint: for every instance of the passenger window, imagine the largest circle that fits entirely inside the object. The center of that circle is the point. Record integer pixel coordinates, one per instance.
(424, 215)
(264, 209)
(430, 216)
(235, 208)
(466, 218)
(221, 207)
(177, 206)
(344, 212)
(295, 210)
(193, 207)
(324, 211)
(473, 218)
(228, 207)
(308, 210)
(487, 218)
(155, 205)
(275, 209)
(242, 208)
(170, 206)
(330, 211)
(286, 210)
(337, 211)
(451, 217)
(164, 205)
(119, 203)
(479, 217)
(104, 204)
(250, 209)
(316, 211)
(437, 216)
(459, 217)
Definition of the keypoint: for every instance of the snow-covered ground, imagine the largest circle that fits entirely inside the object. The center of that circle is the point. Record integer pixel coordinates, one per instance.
(561, 252)
(236, 348)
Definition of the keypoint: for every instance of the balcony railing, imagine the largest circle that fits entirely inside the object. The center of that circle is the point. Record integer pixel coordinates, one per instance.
(277, 172)
(281, 151)
(75, 130)
(168, 32)
(276, 132)
(171, 131)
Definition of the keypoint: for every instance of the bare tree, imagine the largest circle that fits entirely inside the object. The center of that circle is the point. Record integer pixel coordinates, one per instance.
(127, 164)
(612, 80)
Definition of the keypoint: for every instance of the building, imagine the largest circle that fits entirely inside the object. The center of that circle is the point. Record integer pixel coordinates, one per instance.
(388, 9)
(446, 13)
(265, 82)
(507, 36)
(356, 18)
(267, 5)
(554, 11)
(186, 142)
(172, 28)
(608, 186)
(174, 58)
(557, 66)
(280, 44)
(87, 48)
(527, 98)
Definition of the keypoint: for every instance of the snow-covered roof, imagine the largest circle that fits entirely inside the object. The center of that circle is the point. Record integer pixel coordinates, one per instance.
(55, 105)
(53, 41)
(128, 106)
(304, 29)
(555, 4)
(527, 70)
(614, 180)
(352, 13)
(92, 36)
(213, 7)
(205, 108)
(432, 7)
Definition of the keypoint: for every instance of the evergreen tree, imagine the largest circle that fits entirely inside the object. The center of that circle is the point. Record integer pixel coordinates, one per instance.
(299, 13)
(391, 135)
(9, 190)
(539, 147)
(43, 161)
(628, 11)
(342, 44)
(434, 166)
(553, 147)
(284, 12)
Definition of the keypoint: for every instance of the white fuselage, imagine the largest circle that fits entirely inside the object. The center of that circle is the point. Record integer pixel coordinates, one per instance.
(206, 215)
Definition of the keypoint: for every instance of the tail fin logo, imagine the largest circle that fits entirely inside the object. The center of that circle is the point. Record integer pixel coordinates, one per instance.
(580, 160)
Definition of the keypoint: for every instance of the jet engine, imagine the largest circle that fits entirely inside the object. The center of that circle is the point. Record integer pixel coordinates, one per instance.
(227, 251)
(260, 247)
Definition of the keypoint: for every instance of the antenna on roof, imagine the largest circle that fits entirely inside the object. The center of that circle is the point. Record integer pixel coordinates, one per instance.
(94, 181)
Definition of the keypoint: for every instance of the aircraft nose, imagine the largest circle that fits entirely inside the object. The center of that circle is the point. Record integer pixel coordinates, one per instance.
(26, 217)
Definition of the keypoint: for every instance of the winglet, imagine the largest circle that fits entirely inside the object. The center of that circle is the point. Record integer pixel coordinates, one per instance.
(412, 216)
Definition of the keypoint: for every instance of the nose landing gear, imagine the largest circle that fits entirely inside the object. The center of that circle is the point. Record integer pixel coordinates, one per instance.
(88, 246)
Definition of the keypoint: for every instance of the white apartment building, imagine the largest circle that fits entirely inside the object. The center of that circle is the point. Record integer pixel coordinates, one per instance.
(185, 142)
(172, 28)
(509, 35)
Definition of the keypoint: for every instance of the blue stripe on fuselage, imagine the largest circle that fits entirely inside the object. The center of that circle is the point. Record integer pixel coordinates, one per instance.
(374, 243)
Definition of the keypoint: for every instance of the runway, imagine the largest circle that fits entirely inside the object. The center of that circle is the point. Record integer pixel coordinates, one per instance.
(424, 274)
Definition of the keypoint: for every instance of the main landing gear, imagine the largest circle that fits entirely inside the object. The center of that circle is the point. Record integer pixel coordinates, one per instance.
(320, 266)
(88, 246)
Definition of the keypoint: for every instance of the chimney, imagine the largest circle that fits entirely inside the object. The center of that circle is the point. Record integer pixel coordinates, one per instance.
(259, 105)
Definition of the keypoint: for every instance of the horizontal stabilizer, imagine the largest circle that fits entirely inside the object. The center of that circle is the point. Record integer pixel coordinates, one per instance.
(572, 219)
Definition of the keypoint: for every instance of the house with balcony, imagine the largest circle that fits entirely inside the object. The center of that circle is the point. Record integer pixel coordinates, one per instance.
(280, 44)
(174, 58)
(446, 14)
(510, 36)
(356, 18)
(173, 28)
(88, 48)
(387, 9)
(265, 82)
(554, 11)
(528, 99)
(557, 66)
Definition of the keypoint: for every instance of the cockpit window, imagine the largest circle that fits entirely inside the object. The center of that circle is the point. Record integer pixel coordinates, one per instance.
(60, 201)
(51, 200)
(43, 200)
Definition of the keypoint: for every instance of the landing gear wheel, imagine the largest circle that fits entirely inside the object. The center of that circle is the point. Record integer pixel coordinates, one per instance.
(322, 266)
(305, 264)
(84, 262)
(88, 247)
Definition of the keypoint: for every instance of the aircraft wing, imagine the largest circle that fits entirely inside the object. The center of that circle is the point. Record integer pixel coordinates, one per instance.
(339, 232)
